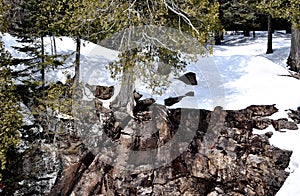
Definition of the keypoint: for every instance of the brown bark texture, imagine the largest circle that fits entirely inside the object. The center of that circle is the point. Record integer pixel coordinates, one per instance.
(294, 57)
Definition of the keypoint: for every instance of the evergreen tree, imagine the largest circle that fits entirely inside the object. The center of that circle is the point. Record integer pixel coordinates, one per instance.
(270, 35)
(238, 15)
(197, 18)
(10, 118)
(96, 20)
(34, 21)
(289, 10)
(3, 22)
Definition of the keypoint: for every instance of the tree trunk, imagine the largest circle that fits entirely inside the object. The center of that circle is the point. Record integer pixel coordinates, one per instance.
(77, 61)
(43, 66)
(54, 45)
(246, 33)
(254, 35)
(124, 101)
(51, 46)
(269, 47)
(294, 57)
(222, 35)
(217, 38)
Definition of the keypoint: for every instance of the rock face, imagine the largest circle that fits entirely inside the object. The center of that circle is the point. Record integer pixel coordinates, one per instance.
(219, 154)
(33, 168)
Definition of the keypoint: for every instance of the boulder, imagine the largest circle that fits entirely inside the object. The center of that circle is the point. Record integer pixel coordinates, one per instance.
(172, 100)
(295, 115)
(188, 78)
(101, 92)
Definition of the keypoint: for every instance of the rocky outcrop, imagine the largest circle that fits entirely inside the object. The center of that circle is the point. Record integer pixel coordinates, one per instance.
(162, 151)
(32, 168)
(223, 157)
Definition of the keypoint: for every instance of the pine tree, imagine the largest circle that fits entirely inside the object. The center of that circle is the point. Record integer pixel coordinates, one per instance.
(238, 15)
(95, 20)
(289, 10)
(3, 22)
(34, 21)
(196, 18)
(10, 118)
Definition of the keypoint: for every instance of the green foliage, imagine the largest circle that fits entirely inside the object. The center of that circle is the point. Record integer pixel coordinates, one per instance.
(95, 20)
(287, 9)
(150, 65)
(239, 15)
(35, 23)
(152, 62)
(3, 9)
(10, 118)
(58, 98)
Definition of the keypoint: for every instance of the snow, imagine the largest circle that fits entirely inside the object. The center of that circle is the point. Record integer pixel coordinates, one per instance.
(237, 75)
(28, 118)
(252, 77)
(289, 140)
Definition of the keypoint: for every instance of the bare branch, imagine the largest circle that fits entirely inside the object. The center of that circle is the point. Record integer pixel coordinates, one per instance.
(185, 18)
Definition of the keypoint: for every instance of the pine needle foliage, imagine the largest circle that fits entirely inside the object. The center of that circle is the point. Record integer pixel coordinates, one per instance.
(10, 116)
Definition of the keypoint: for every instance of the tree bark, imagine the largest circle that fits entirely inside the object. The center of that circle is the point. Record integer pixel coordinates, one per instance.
(43, 67)
(246, 33)
(269, 44)
(294, 57)
(124, 101)
(77, 60)
(54, 45)
(217, 38)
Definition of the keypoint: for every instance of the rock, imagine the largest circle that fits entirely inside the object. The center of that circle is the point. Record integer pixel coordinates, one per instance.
(262, 110)
(235, 162)
(71, 175)
(143, 105)
(222, 158)
(269, 134)
(188, 78)
(172, 100)
(261, 123)
(283, 123)
(137, 96)
(295, 115)
(102, 92)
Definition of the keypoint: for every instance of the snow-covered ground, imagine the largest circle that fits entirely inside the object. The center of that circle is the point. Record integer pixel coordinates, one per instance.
(252, 77)
(237, 75)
